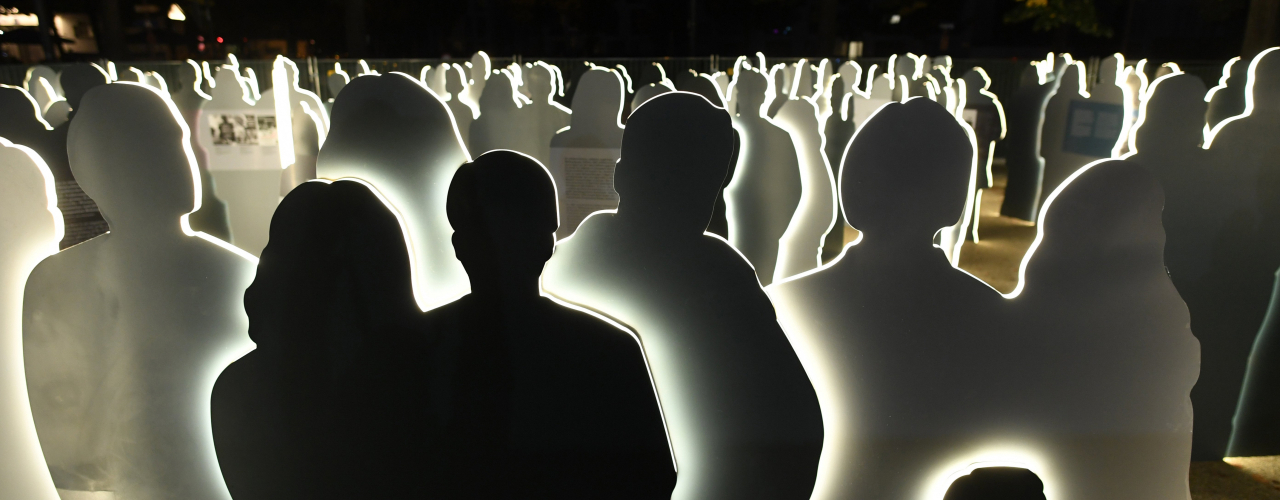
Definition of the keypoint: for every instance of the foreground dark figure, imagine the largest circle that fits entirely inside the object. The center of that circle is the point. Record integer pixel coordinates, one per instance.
(534, 399)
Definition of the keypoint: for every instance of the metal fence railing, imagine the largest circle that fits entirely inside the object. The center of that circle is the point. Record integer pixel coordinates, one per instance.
(1004, 73)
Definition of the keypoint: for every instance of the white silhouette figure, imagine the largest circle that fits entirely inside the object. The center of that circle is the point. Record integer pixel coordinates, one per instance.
(393, 132)
(30, 229)
(124, 335)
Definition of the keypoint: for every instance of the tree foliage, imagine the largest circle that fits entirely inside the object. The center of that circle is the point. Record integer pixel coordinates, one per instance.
(1050, 15)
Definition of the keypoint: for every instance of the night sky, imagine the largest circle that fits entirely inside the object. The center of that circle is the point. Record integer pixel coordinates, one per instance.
(1169, 29)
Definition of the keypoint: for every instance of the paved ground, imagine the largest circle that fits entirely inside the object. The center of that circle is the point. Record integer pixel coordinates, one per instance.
(1002, 241)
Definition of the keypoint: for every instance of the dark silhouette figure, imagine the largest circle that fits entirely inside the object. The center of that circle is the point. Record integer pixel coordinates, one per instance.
(532, 399)
(1246, 255)
(997, 483)
(1026, 167)
(705, 87)
(1255, 432)
(330, 404)
(743, 417)
(1210, 250)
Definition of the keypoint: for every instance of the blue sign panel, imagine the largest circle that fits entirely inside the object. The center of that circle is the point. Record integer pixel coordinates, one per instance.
(1093, 128)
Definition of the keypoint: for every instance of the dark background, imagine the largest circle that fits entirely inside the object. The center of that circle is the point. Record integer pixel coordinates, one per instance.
(1160, 29)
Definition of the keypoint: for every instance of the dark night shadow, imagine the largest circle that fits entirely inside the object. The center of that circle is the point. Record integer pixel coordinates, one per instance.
(532, 398)
(997, 483)
(329, 404)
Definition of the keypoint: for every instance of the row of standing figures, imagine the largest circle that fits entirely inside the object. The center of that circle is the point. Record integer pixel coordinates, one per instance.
(882, 373)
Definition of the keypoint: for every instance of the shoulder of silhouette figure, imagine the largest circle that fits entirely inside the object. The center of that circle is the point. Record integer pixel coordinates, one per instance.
(579, 324)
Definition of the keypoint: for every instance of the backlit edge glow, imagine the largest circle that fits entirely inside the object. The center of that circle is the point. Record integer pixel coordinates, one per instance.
(1250, 80)
(281, 86)
(35, 107)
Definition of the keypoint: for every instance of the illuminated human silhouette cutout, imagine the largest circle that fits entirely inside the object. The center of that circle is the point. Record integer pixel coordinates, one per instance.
(30, 228)
(1026, 118)
(394, 133)
(765, 190)
(1080, 126)
(211, 218)
(81, 216)
(459, 100)
(22, 124)
(308, 127)
(1228, 97)
(505, 121)
(646, 92)
(533, 398)
(801, 246)
(583, 155)
(243, 161)
(124, 334)
(742, 415)
(1229, 302)
(327, 405)
(928, 370)
(545, 115)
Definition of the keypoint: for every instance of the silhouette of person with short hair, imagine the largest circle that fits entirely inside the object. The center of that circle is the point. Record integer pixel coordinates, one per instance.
(330, 404)
(921, 366)
(531, 398)
(743, 417)
(124, 334)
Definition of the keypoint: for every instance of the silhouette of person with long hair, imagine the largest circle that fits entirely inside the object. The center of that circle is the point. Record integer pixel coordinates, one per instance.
(743, 416)
(325, 406)
(532, 398)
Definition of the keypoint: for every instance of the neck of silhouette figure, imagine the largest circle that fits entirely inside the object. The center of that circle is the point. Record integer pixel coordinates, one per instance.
(148, 227)
(664, 222)
(506, 291)
(902, 242)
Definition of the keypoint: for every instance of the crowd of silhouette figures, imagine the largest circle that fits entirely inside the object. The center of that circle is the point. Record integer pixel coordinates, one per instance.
(424, 322)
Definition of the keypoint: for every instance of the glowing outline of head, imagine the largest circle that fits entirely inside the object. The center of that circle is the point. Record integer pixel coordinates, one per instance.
(1250, 80)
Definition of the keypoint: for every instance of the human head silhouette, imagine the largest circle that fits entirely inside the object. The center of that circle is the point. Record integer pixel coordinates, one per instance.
(20, 123)
(751, 88)
(78, 80)
(502, 207)
(27, 216)
(336, 258)
(453, 79)
(541, 82)
(906, 173)
(675, 155)
(1266, 77)
(1030, 77)
(499, 94)
(1173, 113)
(130, 151)
(603, 88)
(188, 74)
